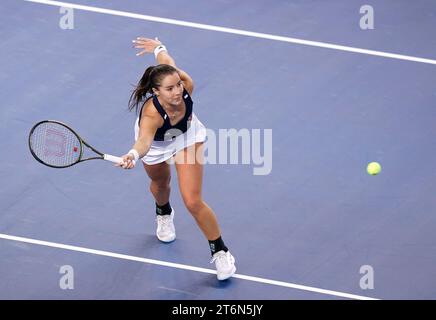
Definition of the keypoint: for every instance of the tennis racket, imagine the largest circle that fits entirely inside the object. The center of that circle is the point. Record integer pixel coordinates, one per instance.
(56, 145)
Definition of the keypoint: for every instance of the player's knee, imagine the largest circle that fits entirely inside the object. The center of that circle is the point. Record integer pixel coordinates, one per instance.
(160, 186)
(194, 204)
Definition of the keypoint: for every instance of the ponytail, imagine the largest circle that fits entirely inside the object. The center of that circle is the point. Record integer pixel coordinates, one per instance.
(141, 90)
(151, 78)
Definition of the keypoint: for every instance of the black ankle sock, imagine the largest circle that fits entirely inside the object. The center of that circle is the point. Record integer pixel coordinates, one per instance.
(217, 245)
(163, 210)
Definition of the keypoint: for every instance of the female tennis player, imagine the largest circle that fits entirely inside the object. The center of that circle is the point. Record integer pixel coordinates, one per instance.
(165, 129)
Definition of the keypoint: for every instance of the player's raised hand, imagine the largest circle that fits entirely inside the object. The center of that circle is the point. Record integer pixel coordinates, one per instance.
(148, 45)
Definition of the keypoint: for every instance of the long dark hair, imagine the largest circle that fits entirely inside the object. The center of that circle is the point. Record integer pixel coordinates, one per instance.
(151, 78)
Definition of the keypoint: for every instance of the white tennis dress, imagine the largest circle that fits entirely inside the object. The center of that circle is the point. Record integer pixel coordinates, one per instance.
(161, 151)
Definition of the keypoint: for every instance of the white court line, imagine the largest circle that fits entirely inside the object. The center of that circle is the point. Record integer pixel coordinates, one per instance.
(182, 266)
(235, 31)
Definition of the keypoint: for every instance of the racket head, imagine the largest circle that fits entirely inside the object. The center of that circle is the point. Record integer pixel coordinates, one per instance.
(54, 144)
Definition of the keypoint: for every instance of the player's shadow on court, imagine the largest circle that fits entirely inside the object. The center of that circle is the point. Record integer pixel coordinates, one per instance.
(149, 243)
(211, 281)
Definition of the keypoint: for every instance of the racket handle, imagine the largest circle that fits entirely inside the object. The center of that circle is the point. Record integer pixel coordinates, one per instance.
(114, 159)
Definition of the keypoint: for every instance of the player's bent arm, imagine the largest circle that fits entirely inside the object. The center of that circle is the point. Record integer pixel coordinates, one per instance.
(164, 58)
(147, 130)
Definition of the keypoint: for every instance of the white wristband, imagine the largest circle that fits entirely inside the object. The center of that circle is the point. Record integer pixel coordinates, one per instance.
(159, 49)
(135, 154)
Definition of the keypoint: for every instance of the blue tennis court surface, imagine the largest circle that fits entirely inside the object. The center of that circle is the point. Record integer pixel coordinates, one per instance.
(315, 226)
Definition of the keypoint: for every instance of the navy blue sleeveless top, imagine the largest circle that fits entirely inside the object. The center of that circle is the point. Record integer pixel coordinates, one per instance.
(167, 131)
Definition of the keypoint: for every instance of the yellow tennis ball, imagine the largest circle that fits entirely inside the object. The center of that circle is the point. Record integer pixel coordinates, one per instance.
(373, 168)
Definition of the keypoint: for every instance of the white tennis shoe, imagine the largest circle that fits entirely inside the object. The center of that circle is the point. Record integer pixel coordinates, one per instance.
(166, 232)
(224, 263)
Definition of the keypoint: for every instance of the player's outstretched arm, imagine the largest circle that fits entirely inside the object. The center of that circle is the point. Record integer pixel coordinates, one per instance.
(147, 130)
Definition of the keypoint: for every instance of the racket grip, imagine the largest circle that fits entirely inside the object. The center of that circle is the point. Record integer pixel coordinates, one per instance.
(114, 159)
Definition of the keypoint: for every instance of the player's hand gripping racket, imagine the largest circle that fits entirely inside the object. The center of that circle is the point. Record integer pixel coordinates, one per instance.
(56, 145)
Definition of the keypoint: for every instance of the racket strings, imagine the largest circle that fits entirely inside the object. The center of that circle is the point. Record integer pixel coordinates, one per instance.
(55, 144)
